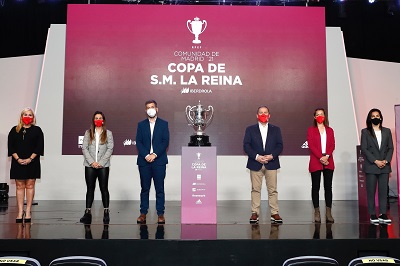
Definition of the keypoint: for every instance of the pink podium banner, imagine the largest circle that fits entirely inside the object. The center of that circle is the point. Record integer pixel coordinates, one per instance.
(199, 185)
(199, 231)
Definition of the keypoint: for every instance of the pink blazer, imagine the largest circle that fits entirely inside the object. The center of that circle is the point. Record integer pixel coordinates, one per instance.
(314, 145)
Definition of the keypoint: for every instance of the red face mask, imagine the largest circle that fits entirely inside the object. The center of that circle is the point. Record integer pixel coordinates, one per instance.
(98, 122)
(263, 118)
(27, 120)
(320, 119)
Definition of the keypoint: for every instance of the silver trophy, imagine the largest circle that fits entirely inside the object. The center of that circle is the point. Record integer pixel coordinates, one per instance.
(200, 118)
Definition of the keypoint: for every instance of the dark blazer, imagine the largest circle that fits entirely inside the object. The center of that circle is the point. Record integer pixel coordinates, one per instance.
(370, 148)
(160, 141)
(253, 145)
(314, 145)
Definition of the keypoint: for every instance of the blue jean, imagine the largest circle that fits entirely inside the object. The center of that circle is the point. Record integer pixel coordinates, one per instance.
(157, 173)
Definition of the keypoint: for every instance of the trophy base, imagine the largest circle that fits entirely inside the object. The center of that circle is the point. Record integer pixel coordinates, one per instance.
(199, 140)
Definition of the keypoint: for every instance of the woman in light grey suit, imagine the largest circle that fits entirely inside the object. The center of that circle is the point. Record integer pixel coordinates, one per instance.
(97, 148)
(377, 146)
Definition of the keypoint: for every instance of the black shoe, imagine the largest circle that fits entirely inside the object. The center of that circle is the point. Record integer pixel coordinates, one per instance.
(373, 219)
(20, 220)
(87, 217)
(27, 220)
(106, 217)
(383, 219)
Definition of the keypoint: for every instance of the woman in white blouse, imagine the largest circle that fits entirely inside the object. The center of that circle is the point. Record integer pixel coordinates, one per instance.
(97, 148)
(377, 146)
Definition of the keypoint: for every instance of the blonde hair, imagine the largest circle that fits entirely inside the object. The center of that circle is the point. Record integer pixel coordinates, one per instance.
(21, 123)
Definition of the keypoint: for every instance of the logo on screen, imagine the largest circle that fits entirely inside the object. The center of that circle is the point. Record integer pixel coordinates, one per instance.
(187, 90)
(305, 145)
(129, 142)
(80, 141)
(196, 27)
(199, 202)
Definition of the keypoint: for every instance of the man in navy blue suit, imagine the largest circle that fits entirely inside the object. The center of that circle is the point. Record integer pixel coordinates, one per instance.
(263, 144)
(152, 140)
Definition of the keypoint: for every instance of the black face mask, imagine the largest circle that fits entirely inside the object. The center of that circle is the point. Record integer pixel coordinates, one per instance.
(376, 121)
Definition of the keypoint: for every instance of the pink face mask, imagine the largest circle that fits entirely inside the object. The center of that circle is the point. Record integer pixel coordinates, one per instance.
(320, 119)
(98, 122)
(263, 118)
(27, 120)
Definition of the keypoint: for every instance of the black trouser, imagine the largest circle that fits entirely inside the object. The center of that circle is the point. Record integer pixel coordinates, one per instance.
(382, 181)
(316, 180)
(91, 174)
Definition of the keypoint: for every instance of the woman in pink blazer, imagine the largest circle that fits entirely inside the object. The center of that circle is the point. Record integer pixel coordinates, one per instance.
(321, 143)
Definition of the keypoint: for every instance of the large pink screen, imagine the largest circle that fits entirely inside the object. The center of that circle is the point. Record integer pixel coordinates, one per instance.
(119, 56)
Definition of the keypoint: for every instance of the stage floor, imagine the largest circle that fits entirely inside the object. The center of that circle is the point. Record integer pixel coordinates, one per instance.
(60, 220)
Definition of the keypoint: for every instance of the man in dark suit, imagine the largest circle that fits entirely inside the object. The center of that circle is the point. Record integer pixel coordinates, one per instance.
(263, 145)
(152, 140)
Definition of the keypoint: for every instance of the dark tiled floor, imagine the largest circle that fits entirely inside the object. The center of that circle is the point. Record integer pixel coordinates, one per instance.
(59, 220)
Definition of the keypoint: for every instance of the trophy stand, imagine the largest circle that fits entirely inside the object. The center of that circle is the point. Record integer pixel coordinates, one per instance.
(199, 140)
(199, 117)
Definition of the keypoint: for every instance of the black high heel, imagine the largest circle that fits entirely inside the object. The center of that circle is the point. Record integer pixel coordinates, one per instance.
(28, 220)
(20, 220)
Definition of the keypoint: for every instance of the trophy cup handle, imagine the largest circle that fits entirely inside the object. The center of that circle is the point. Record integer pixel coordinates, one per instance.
(211, 109)
(187, 25)
(205, 26)
(187, 111)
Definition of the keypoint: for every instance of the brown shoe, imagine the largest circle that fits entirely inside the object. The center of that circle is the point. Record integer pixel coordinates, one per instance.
(329, 218)
(141, 219)
(317, 215)
(275, 218)
(254, 218)
(161, 219)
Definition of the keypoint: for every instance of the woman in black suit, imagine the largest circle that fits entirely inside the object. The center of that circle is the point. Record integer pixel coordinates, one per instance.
(377, 146)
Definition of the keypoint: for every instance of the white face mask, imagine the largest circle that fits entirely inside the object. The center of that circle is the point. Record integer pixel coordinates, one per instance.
(151, 112)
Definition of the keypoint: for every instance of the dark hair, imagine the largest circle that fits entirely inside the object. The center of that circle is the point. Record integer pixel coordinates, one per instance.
(263, 106)
(369, 122)
(103, 137)
(326, 121)
(150, 101)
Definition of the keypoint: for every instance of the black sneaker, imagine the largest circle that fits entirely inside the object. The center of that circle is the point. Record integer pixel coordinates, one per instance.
(373, 219)
(383, 219)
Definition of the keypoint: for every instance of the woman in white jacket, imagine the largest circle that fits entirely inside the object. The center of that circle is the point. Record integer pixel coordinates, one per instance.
(97, 148)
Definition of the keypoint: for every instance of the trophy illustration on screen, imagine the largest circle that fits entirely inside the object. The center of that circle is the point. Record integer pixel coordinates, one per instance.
(196, 28)
(199, 118)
